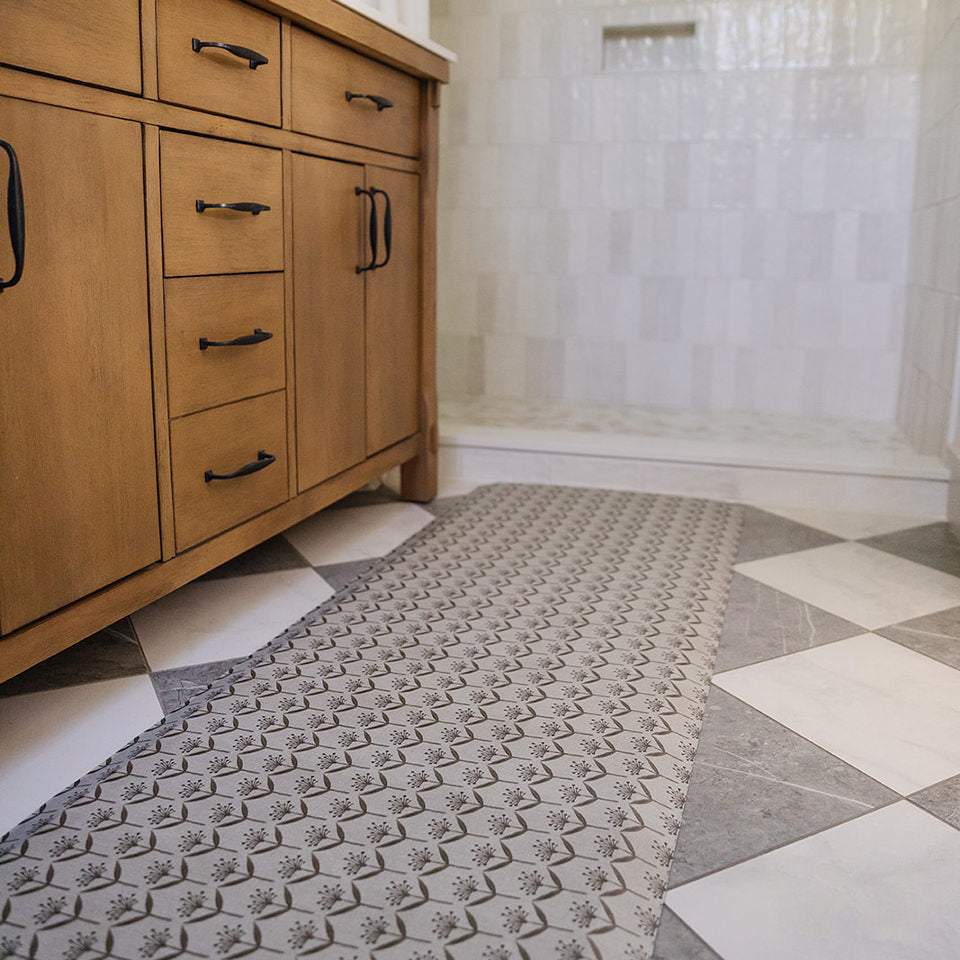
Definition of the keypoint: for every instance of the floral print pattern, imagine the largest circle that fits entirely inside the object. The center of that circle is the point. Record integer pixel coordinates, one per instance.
(479, 749)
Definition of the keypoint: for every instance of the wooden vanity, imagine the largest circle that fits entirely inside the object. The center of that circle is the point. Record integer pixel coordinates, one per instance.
(225, 318)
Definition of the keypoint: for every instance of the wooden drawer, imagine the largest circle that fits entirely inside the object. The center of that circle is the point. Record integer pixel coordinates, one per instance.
(222, 440)
(212, 78)
(94, 41)
(197, 169)
(200, 310)
(323, 74)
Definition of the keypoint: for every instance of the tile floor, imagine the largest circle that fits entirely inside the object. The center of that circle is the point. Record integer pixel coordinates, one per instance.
(823, 818)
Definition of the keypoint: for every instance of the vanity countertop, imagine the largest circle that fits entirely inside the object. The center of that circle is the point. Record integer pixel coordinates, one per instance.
(367, 11)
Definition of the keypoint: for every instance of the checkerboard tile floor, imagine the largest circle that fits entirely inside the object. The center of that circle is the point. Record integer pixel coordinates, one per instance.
(823, 816)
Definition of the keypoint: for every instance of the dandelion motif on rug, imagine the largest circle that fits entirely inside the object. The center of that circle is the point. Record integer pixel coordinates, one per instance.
(477, 751)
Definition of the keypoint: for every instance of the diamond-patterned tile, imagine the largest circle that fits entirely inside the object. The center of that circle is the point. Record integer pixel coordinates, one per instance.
(884, 886)
(107, 655)
(850, 524)
(942, 800)
(887, 710)
(933, 545)
(676, 941)
(766, 534)
(756, 785)
(227, 618)
(761, 623)
(268, 557)
(175, 687)
(356, 533)
(936, 635)
(858, 583)
(53, 737)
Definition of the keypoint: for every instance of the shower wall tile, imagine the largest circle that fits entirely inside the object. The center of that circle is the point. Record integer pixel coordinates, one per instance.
(724, 229)
(927, 390)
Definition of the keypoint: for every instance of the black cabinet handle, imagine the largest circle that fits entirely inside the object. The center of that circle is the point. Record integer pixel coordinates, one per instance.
(372, 265)
(258, 336)
(382, 102)
(15, 216)
(244, 53)
(255, 208)
(387, 228)
(263, 461)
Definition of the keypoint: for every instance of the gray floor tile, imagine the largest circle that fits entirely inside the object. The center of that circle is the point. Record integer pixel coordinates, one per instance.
(762, 623)
(942, 800)
(267, 557)
(937, 635)
(338, 575)
(756, 785)
(108, 655)
(933, 545)
(767, 535)
(676, 941)
(367, 496)
(175, 687)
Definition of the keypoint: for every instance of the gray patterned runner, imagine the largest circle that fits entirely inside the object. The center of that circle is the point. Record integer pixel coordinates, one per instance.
(478, 751)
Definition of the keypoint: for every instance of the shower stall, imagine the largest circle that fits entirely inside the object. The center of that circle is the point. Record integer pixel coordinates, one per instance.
(706, 247)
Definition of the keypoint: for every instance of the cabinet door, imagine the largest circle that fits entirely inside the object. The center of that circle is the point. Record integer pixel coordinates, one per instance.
(78, 489)
(393, 316)
(328, 294)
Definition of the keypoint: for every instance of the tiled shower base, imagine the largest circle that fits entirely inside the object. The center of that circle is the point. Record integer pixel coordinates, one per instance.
(796, 462)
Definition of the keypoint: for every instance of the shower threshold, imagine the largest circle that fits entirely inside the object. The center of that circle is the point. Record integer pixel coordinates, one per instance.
(730, 455)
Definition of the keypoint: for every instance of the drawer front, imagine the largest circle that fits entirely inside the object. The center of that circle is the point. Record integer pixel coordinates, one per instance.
(223, 440)
(213, 78)
(204, 318)
(196, 170)
(323, 74)
(94, 41)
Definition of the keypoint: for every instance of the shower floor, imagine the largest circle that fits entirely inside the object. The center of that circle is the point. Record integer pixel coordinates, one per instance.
(729, 455)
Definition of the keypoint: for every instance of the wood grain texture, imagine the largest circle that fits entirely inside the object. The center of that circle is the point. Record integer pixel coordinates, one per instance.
(219, 241)
(223, 308)
(29, 86)
(78, 493)
(24, 648)
(393, 318)
(328, 304)
(214, 79)
(63, 38)
(323, 72)
(418, 477)
(158, 344)
(223, 440)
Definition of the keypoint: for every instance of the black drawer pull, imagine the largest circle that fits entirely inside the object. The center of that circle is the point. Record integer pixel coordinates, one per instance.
(255, 208)
(15, 216)
(244, 53)
(372, 265)
(382, 102)
(263, 461)
(387, 227)
(258, 336)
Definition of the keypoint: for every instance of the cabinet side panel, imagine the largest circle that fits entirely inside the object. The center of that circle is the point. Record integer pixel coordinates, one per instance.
(328, 303)
(393, 318)
(78, 487)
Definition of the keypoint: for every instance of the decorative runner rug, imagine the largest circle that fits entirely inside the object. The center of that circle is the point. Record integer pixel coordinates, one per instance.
(477, 751)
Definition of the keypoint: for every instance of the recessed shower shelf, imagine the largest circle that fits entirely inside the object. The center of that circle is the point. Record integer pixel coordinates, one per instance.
(650, 46)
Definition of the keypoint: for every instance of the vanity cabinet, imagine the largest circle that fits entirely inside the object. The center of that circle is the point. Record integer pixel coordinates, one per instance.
(356, 312)
(225, 319)
(78, 484)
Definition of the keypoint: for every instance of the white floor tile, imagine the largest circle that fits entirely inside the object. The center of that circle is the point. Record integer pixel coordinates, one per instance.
(220, 619)
(851, 525)
(882, 887)
(866, 586)
(887, 710)
(53, 737)
(356, 533)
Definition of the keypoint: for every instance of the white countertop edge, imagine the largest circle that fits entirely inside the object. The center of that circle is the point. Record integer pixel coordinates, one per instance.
(402, 30)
